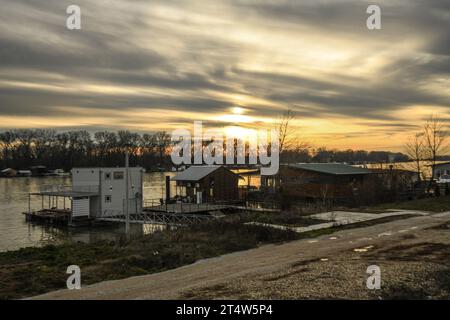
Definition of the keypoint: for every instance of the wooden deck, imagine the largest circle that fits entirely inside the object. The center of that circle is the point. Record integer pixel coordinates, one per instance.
(56, 217)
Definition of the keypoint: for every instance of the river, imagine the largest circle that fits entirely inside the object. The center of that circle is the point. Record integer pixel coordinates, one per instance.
(16, 233)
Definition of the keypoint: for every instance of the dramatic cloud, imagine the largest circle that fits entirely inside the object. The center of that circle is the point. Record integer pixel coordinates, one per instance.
(156, 65)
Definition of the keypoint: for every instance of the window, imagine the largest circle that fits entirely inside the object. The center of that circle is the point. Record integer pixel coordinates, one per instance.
(108, 198)
(118, 175)
(107, 175)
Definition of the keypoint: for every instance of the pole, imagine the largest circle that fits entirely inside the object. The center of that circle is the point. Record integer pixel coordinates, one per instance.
(127, 213)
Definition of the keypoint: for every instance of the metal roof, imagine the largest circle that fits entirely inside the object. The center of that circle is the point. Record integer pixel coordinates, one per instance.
(65, 194)
(195, 173)
(331, 168)
(440, 164)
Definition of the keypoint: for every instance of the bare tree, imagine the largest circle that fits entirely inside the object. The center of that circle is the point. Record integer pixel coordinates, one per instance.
(286, 132)
(162, 141)
(415, 150)
(436, 137)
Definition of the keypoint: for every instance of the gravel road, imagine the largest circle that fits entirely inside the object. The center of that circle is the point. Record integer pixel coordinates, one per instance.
(324, 267)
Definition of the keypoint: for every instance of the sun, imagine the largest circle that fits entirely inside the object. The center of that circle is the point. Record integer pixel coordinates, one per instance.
(238, 110)
(238, 132)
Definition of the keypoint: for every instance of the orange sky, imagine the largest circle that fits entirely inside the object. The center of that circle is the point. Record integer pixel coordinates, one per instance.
(162, 65)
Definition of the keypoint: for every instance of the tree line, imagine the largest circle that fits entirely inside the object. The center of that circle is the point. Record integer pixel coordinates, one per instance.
(24, 148)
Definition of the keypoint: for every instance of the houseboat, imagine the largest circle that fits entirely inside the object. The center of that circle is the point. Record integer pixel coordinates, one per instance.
(95, 193)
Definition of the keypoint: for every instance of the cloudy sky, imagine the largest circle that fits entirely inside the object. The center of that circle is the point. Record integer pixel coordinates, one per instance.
(157, 65)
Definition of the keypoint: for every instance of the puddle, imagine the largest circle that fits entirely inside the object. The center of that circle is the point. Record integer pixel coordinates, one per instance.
(324, 259)
(313, 241)
(333, 238)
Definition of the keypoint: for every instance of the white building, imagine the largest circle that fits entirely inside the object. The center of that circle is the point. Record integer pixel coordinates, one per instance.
(100, 192)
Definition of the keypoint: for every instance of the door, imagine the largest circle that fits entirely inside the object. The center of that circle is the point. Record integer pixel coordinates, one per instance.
(80, 207)
(199, 197)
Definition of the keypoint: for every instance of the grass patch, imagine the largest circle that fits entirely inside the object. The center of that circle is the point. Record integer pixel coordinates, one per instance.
(32, 271)
(432, 204)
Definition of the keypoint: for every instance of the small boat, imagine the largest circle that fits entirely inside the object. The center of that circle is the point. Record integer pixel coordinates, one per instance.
(58, 172)
(24, 173)
(9, 172)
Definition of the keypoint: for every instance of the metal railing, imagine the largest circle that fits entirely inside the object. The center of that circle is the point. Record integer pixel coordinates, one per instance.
(83, 189)
(163, 218)
(185, 207)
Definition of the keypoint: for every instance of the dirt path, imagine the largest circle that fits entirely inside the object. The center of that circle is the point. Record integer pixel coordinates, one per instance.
(270, 271)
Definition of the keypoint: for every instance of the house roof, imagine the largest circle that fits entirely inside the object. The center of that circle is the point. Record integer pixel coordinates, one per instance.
(195, 173)
(440, 164)
(331, 168)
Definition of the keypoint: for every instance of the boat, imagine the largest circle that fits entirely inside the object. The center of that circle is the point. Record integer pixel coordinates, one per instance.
(58, 172)
(24, 173)
(9, 172)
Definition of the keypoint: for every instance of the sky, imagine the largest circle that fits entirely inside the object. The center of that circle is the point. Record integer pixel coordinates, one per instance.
(159, 65)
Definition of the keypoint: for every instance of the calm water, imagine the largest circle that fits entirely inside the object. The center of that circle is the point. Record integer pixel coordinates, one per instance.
(15, 233)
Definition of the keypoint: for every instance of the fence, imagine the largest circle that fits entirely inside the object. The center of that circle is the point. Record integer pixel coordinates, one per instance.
(83, 189)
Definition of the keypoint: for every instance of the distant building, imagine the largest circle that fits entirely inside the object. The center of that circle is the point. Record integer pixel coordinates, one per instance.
(441, 169)
(208, 184)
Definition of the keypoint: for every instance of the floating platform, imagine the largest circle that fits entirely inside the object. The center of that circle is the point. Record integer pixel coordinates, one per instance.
(56, 217)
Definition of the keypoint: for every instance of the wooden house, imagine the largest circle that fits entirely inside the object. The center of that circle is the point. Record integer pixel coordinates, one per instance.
(208, 184)
(334, 181)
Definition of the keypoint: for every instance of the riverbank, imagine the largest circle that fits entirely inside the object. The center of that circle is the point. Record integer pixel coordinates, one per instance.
(32, 271)
(413, 255)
